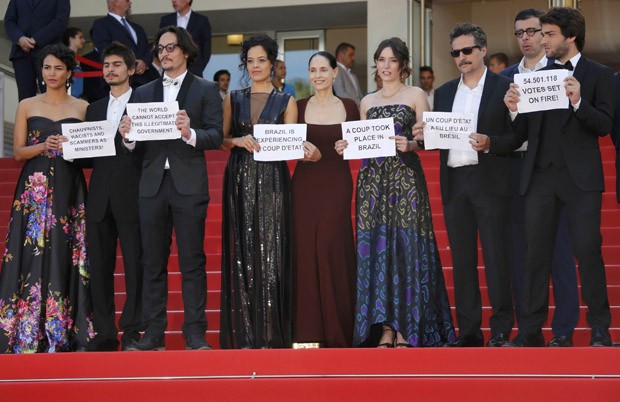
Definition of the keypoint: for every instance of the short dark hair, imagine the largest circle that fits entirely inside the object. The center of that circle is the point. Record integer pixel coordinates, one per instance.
(118, 49)
(501, 57)
(571, 23)
(219, 73)
(267, 43)
(69, 33)
(184, 41)
(426, 68)
(467, 28)
(341, 48)
(400, 50)
(330, 58)
(528, 13)
(62, 53)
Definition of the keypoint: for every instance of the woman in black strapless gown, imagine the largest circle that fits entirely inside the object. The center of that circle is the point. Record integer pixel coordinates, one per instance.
(44, 295)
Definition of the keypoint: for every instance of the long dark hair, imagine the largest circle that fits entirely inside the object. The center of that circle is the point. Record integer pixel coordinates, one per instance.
(401, 52)
(62, 53)
(268, 44)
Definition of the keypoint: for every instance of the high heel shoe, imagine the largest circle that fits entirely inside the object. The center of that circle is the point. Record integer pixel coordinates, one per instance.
(388, 332)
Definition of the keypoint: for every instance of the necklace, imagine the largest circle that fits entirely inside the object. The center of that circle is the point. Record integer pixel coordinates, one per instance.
(395, 92)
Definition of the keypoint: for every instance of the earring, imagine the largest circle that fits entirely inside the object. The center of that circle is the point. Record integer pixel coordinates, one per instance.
(67, 84)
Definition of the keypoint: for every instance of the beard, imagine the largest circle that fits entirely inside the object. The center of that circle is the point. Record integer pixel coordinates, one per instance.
(559, 52)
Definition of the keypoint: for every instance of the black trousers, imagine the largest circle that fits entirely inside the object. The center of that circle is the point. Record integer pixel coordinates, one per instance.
(27, 73)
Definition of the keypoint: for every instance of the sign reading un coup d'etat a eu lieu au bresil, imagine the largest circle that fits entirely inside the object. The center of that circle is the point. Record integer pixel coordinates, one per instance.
(279, 142)
(447, 130)
(88, 139)
(369, 138)
(153, 121)
(542, 90)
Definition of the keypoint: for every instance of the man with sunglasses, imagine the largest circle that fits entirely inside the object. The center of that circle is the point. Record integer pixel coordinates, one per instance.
(174, 190)
(528, 32)
(563, 168)
(475, 189)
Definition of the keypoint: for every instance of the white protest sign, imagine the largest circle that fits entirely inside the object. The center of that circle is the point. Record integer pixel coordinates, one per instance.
(279, 142)
(542, 90)
(153, 121)
(88, 139)
(369, 138)
(446, 130)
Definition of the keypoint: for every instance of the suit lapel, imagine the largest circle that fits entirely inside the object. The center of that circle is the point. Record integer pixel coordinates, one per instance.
(187, 82)
(191, 22)
(489, 86)
(454, 85)
(158, 91)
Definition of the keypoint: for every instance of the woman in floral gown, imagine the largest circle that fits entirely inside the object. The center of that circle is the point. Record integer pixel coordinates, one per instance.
(44, 295)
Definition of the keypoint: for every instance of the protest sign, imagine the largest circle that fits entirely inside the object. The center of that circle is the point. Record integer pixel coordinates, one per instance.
(542, 90)
(279, 142)
(369, 138)
(88, 139)
(445, 130)
(153, 121)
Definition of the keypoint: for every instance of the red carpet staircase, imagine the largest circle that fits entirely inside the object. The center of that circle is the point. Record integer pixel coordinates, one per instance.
(325, 373)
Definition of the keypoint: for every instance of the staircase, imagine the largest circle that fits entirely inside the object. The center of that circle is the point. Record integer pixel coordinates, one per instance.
(9, 172)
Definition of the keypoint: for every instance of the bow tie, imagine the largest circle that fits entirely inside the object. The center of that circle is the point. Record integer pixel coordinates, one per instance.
(568, 66)
(170, 81)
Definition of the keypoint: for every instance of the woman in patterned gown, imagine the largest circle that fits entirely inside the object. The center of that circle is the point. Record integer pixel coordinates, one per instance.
(256, 257)
(401, 293)
(44, 295)
(323, 248)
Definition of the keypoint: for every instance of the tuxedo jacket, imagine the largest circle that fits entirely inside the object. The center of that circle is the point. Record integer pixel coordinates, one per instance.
(493, 167)
(202, 102)
(114, 179)
(580, 130)
(43, 20)
(200, 29)
(108, 29)
(615, 133)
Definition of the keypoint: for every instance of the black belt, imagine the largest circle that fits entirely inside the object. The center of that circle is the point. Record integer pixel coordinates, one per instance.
(518, 154)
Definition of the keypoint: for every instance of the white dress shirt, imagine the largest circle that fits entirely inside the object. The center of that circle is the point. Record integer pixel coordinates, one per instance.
(467, 100)
(116, 107)
(183, 20)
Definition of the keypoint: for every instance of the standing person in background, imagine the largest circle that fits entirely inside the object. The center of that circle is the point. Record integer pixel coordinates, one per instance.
(222, 77)
(566, 313)
(498, 62)
(31, 26)
(401, 293)
(197, 25)
(256, 209)
(73, 38)
(323, 247)
(45, 303)
(427, 79)
(279, 77)
(116, 27)
(112, 213)
(347, 85)
(174, 190)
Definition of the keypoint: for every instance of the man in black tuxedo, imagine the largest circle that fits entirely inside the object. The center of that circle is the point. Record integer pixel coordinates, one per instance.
(31, 25)
(116, 27)
(174, 190)
(475, 189)
(528, 33)
(615, 136)
(563, 168)
(112, 212)
(197, 25)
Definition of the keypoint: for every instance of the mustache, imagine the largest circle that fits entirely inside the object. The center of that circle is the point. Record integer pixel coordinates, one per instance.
(463, 63)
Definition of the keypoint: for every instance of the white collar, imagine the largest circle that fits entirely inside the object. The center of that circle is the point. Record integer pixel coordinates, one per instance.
(480, 85)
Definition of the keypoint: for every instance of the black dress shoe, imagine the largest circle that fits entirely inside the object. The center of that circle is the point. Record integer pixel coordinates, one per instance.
(526, 340)
(102, 344)
(561, 341)
(148, 342)
(196, 342)
(129, 340)
(466, 341)
(497, 341)
(600, 337)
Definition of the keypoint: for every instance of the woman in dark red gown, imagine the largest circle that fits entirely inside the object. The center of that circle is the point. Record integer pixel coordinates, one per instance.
(323, 248)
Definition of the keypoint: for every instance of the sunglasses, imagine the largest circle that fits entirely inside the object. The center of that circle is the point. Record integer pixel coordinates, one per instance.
(529, 32)
(466, 51)
(169, 48)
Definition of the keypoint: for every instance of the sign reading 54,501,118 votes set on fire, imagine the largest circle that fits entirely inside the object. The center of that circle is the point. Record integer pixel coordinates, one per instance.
(542, 90)
(369, 138)
(153, 121)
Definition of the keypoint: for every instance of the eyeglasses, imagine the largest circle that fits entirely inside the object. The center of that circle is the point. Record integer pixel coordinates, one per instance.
(169, 48)
(466, 51)
(529, 32)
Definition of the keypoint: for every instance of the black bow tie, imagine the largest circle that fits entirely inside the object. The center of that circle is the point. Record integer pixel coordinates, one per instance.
(568, 66)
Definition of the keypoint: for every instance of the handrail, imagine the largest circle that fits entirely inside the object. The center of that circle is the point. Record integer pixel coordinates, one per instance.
(7, 70)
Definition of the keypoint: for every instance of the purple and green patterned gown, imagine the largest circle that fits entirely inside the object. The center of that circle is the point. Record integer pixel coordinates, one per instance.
(45, 303)
(400, 281)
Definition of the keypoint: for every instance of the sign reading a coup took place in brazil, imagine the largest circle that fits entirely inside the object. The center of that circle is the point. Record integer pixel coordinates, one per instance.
(369, 138)
(88, 139)
(447, 130)
(153, 121)
(279, 142)
(542, 90)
